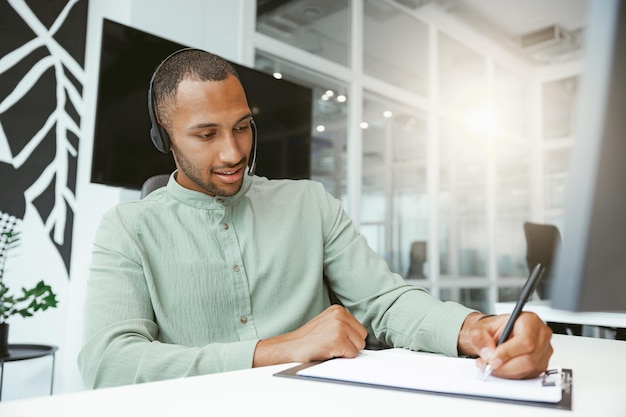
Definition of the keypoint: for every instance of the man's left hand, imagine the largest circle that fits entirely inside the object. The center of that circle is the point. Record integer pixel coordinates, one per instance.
(524, 355)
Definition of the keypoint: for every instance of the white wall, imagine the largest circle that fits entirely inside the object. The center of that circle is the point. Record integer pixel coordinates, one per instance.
(215, 25)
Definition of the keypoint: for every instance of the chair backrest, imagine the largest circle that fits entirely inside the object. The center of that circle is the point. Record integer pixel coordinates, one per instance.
(154, 182)
(542, 242)
(417, 259)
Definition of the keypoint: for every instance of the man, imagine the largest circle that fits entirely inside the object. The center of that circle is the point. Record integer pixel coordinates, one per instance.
(221, 270)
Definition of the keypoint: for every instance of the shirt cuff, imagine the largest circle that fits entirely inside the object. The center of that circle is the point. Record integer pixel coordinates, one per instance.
(444, 324)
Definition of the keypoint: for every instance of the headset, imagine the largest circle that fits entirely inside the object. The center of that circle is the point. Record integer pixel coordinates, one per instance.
(159, 136)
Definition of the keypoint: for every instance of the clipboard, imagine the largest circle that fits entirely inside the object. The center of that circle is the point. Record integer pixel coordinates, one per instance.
(438, 375)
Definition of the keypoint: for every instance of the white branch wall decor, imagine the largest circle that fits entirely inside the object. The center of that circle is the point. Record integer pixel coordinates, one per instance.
(42, 53)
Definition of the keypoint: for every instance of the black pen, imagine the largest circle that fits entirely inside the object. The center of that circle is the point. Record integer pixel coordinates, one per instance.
(527, 291)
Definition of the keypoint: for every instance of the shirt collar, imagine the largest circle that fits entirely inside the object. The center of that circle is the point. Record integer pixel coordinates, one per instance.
(202, 200)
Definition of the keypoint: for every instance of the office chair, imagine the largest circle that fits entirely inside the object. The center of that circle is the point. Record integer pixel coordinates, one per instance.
(154, 182)
(417, 259)
(542, 243)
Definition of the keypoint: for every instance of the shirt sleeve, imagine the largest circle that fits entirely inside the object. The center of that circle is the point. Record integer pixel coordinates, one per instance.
(397, 313)
(121, 336)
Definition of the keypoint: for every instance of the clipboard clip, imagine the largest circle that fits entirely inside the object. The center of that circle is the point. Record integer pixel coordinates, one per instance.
(554, 377)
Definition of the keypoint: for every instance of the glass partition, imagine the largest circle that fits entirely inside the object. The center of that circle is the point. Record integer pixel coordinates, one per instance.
(321, 27)
(394, 209)
(463, 203)
(559, 98)
(395, 47)
(330, 120)
(512, 208)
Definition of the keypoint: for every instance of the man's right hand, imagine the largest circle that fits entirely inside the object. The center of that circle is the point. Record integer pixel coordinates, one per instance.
(334, 333)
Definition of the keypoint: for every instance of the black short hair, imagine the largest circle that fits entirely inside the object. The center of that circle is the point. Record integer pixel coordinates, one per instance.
(187, 64)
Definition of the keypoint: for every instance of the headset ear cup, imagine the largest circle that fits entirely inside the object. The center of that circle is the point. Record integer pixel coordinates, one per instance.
(160, 138)
(156, 131)
(154, 136)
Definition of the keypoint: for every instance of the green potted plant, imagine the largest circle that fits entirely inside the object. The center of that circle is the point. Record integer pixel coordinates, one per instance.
(40, 297)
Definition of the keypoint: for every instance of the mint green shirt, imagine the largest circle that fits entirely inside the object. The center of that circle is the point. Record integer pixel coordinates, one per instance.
(184, 284)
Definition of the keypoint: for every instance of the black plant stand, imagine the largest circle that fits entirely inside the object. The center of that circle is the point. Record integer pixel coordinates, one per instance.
(25, 352)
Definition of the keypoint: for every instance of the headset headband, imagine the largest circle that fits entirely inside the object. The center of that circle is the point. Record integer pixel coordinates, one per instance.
(159, 136)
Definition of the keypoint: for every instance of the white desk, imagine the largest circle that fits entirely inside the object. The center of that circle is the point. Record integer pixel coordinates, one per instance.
(599, 390)
(547, 313)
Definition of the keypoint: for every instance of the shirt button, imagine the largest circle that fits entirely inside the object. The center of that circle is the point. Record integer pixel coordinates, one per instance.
(243, 319)
(220, 200)
(225, 226)
(236, 268)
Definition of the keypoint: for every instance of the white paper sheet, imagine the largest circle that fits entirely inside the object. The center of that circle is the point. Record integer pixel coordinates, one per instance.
(435, 373)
